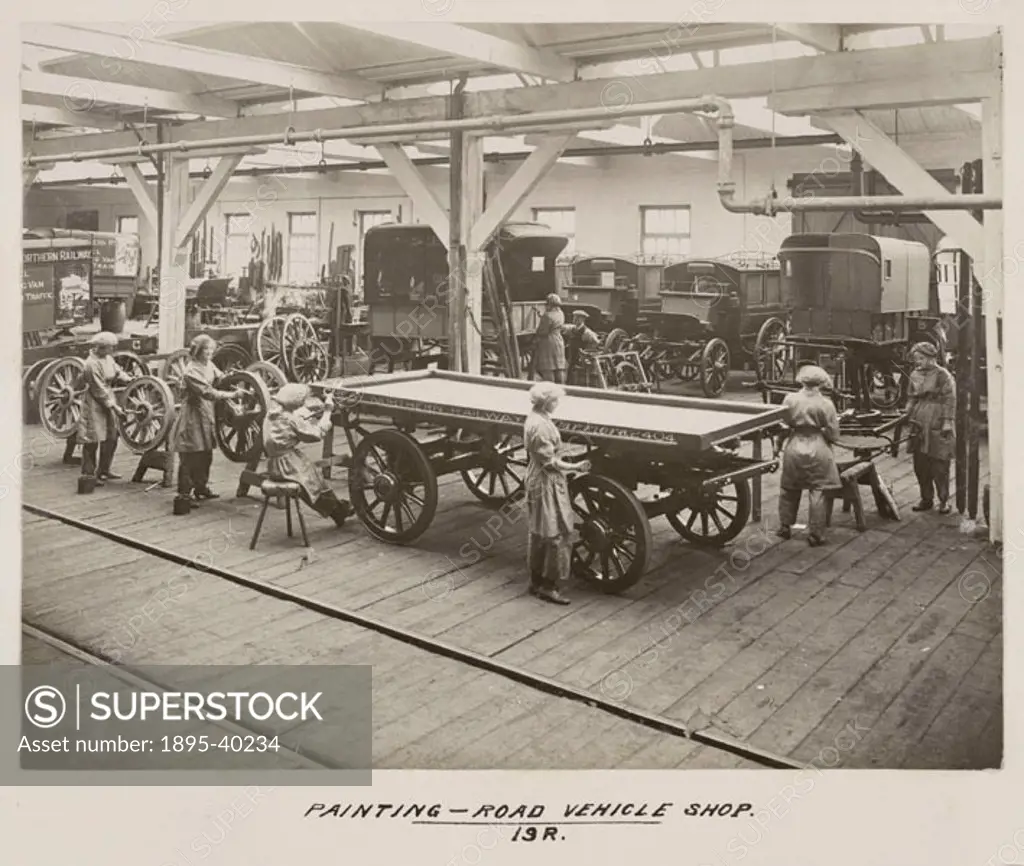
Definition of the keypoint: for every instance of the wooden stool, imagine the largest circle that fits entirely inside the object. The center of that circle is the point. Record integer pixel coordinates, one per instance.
(290, 492)
(852, 476)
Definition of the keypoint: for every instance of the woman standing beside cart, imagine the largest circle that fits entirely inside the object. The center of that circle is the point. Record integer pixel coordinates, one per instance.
(549, 346)
(97, 425)
(549, 512)
(931, 411)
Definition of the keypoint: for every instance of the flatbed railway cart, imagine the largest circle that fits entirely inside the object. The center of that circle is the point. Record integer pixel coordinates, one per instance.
(407, 429)
(406, 288)
(606, 290)
(714, 314)
(859, 303)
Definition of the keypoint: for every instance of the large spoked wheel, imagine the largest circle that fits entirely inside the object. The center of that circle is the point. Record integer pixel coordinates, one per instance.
(296, 331)
(30, 389)
(148, 404)
(60, 404)
(131, 363)
(887, 385)
(231, 356)
(309, 362)
(714, 367)
(614, 534)
(239, 421)
(503, 473)
(272, 375)
(715, 517)
(172, 371)
(392, 486)
(615, 339)
(770, 351)
(270, 342)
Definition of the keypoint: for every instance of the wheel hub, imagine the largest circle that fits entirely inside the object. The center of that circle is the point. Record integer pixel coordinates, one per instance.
(596, 533)
(385, 486)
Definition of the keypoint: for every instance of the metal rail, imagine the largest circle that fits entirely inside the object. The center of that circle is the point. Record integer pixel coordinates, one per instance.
(532, 680)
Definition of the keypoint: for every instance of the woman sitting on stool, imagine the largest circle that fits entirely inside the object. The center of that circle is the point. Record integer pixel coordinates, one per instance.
(931, 411)
(192, 436)
(807, 460)
(285, 429)
(97, 425)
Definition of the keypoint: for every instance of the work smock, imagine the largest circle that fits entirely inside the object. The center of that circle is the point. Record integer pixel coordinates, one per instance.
(549, 347)
(549, 512)
(195, 423)
(283, 434)
(97, 422)
(807, 459)
(931, 403)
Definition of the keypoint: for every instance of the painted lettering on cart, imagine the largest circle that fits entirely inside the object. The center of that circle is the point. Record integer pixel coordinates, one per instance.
(615, 432)
(439, 409)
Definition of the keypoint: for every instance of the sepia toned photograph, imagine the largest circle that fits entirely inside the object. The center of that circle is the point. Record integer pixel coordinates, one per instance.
(625, 395)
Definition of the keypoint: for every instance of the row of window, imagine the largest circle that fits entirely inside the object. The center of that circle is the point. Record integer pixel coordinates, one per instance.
(664, 231)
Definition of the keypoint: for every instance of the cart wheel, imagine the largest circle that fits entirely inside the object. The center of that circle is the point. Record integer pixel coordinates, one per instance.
(173, 370)
(295, 331)
(714, 367)
(309, 362)
(131, 363)
(148, 403)
(887, 386)
(231, 356)
(392, 486)
(503, 474)
(714, 518)
(272, 375)
(687, 371)
(270, 343)
(616, 337)
(770, 351)
(60, 404)
(615, 535)
(239, 421)
(30, 389)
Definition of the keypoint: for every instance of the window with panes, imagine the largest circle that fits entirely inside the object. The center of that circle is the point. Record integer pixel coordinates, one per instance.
(665, 231)
(302, 257)
(237, 247)
(561, 220)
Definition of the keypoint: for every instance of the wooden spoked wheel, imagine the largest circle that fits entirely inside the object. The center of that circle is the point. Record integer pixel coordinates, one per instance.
(503, 473)
(392, 486)
(295, 331)
(272, 375)
(172, 371)
(714, 367)
(309, 362)
(614, 534)
(270, 342)
(771, 355)
(887, 385)
(615, 340)
(30, 389)
(131, 363)
(715, 517)
(239, 421)
(231, 356)
(59, 403)
(687, 371)
(148, 404)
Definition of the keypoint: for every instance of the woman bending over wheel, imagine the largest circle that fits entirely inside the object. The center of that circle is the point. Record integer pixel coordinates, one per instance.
(192, 436)
(97, 425)
(807, 460)
(286, 429)
(549, 511)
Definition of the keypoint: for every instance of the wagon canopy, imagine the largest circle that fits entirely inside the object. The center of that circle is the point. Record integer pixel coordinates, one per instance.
(854, 273)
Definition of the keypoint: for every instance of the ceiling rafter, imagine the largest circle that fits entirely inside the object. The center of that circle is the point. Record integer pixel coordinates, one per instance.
(823, 37)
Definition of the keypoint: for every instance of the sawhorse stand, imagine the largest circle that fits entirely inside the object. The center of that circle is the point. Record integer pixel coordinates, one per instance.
(160, 459)
(854, 475)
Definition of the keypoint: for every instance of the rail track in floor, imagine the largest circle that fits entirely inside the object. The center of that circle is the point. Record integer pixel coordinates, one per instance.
(536, 682)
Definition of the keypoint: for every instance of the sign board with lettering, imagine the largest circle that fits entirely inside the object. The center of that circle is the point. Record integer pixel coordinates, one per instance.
(56, 286)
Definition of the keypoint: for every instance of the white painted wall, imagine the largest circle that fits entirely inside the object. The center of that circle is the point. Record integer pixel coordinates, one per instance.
(607, 200)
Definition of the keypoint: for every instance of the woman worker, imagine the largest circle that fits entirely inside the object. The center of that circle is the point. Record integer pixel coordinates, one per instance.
(192, 436)
(581, 340)
(807, 460)
(549, 346)
(285, 430)
(931, 411)
(549, 513)
(97, 425)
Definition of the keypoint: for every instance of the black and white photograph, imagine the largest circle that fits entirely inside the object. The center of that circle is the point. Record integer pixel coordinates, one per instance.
(629, 396)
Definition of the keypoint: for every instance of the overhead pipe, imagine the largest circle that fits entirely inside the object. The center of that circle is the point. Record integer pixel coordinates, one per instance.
(770, 204)
(529, 121)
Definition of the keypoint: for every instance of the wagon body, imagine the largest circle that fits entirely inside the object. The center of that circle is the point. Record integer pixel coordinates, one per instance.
(606, 289)
(438, 422)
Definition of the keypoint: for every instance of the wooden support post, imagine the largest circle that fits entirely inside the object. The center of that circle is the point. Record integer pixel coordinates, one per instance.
(963, 368)
(427, 205)
(992, 286)
(456, 257)
(205, 197)
(28, 177)
(174, 258)
(145, 195)
(472, 205)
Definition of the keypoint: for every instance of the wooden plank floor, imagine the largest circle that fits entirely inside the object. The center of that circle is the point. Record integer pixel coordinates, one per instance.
(881, 649)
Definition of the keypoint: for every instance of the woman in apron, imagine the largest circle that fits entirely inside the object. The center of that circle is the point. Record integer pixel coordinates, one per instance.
(807, 460)
(549, 346)
(97, 425)
(931, 411)
(549, 512)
